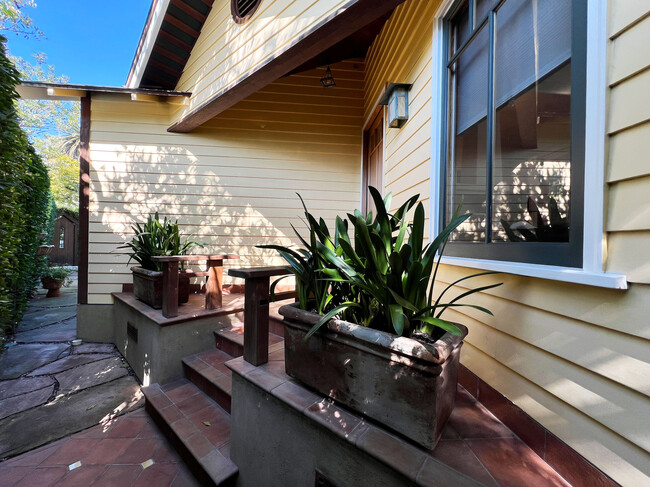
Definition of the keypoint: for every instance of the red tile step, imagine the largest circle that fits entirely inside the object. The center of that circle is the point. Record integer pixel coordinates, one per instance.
(231, 340)
(208, 372)
(197, 427)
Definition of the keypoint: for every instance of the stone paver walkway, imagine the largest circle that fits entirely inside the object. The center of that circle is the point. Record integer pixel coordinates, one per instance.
(50, 389)
(127, 451)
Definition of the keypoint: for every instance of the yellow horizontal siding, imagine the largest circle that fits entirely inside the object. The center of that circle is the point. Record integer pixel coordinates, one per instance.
(628, 209)
(232, 183)
(576, 358)
(402, 53)
(226, 52)
(628, 153)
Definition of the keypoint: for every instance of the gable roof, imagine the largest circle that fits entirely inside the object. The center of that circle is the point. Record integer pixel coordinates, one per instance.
(169, 34)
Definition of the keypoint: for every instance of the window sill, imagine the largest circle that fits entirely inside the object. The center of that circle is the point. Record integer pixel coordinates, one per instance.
(609, 280)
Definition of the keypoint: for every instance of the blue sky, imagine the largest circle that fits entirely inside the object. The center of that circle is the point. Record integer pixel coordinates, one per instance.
(90, 41)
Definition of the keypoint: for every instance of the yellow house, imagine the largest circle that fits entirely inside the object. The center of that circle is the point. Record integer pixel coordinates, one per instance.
(533, 115)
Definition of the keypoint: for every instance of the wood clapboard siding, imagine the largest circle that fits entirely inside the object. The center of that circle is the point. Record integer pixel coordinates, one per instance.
(402, 53)
(575, 358)
(231, 183)
(226, 51)
(628, 171)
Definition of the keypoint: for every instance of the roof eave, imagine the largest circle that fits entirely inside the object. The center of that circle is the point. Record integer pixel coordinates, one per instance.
(147, 40)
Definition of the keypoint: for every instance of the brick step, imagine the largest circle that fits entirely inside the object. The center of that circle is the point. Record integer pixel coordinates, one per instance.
(208, 372)
(231, 340)
(197, 427)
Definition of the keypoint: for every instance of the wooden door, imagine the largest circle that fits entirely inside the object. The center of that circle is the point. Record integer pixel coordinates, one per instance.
(374, 160)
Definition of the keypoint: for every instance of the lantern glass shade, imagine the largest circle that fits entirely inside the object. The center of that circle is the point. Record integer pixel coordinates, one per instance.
(398, 104)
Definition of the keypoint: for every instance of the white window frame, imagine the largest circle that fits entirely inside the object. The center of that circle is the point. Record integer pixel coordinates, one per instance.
(594, 242)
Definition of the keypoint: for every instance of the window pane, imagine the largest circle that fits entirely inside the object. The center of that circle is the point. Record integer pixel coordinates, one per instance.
(482, 8)
(461, 27)
(467, 171)
(531, 179)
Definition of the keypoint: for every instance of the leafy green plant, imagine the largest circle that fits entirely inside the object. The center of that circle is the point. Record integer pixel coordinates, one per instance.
(388, 271)
(308, 264)
(58, 274)
(155, 239)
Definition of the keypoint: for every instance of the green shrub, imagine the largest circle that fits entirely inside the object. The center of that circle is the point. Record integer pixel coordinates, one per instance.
(24, 205)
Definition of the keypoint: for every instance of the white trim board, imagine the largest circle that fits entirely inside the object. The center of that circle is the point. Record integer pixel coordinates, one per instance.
(139, 64)
(592, 273)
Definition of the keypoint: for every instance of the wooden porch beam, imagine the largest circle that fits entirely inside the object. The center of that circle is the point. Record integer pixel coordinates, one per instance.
(327, 33)
(84, 199)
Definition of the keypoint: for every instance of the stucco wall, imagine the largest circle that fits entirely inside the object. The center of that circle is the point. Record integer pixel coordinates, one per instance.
(576, 358)
(231, 183)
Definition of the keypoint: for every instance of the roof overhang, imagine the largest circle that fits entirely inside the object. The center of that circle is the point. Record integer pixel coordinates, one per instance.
(343, 23)
(147, 40)
(169, 34)
(36, 90)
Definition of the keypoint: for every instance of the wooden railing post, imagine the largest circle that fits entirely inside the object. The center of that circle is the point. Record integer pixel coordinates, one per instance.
(256, 320)
(170, 289)
(256, 310)
(213, 285)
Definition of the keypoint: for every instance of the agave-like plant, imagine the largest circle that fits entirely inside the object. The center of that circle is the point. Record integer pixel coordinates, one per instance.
(154, 239)
(395, 272)
(384, 278)
(308, 264)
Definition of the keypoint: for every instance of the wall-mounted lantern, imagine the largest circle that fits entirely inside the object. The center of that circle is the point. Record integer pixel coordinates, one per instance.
(328, 80)
(396, 97)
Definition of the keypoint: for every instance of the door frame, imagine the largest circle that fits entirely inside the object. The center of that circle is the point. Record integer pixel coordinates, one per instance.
(378, 112)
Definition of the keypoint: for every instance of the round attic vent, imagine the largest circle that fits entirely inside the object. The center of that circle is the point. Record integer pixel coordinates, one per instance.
(242, 10)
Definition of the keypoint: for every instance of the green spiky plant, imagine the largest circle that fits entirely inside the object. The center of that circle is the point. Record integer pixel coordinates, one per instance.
(154, 239)
(388, 272)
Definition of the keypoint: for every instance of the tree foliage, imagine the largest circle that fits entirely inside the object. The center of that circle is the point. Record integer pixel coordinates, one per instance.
(13, 18)
(25, 205)
(53, 128)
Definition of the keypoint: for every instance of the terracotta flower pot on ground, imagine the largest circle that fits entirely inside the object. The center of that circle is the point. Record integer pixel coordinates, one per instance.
(402, 383)
(53, 287)
(147, 287)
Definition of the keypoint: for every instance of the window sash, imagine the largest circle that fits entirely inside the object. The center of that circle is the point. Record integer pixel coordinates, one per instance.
(567, 254)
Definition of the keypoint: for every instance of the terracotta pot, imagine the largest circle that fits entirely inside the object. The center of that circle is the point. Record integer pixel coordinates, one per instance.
(44, 250)
(53, 287)
(147, 287)
(401, 383)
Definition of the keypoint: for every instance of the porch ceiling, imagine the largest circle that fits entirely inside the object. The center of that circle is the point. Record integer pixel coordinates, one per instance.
(333, 37)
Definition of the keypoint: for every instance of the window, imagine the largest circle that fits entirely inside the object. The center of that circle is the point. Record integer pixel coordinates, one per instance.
(242, 10)
(62, 238)
(515, 130)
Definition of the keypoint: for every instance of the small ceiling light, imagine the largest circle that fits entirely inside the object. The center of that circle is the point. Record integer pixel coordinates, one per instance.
(396, 97)
(328, 80)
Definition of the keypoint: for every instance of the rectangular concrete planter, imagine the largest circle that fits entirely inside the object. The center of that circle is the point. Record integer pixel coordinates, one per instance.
(401, 383)
(147, 287)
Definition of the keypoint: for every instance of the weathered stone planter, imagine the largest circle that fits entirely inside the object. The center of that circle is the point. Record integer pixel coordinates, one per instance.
(404, 384)
(147, 287)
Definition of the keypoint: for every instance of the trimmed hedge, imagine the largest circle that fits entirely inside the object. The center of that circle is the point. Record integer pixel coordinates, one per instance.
(25, 205)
